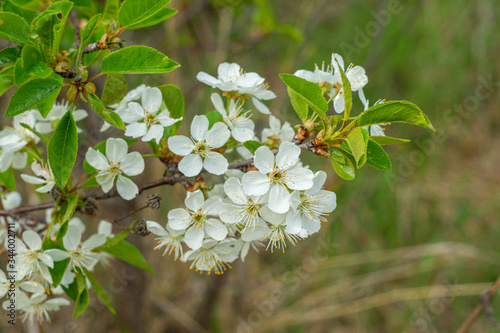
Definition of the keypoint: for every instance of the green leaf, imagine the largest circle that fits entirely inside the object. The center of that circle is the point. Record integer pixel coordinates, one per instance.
(62, 9)
(58, 271)
(47, 104)
(25, 13)
(99, 290)
(133, 12)
(129, 253)
(91, 182)
(9, 56)
(6, 79)
(298, 104)
(342, 164)
(174, 100)
(71, 290)
(45, 138)
(310, 92)
(7, 179)
(62, 149)
(137, 59)
(114, 89)
(213, 117)
(14, 28)
(394, 112)
(387, 140)
(358, 141)
(110, 242)
(346, 85)
(89, 29)
(31, 65)
(68, 208)
(110, 11)
(159, 17)
(108, 116)
(82, 301)
(377, 157)
(252, 145)
(30, 94)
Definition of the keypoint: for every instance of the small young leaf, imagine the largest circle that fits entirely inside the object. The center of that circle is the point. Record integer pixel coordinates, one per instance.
(137, 59)
(377, 157)
(108, 116)
(82, 301)
(62, 9)
(252, 146)
(9, 56)
(14, 28)
(310, 91)
(213, 117)
(31, 65)
(110, 11)
(346, 85)
(30, 94)
(133, 12)
(358, 141)
(298, 104)
(89, 29)
(7, 179)
(159, 17)
(393, 112)
(110, 242)
(71, 290)
(342, 164)
(387, 140)
(99, 290)
(115, 89)
(63, 148)
(129, 253)
(6, 79)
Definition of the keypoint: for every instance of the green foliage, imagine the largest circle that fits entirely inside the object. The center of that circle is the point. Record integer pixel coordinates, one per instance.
(342, 164)
(213, 117)
(387, 140)
(82, 300)
(32, 93)
(6, 79)
(45, 139)
(310, 92)
(9, 56)
(99, 290)
(137, 59)
(110, 11)
(159, 17)
(30, 65)
(393, 112)
(174, 101)
(62, 149)
(346, 85)
(114, 90)
(65, 213)
(7, 179)
(14, 28)
(108, 116)
(140, 12)
(128, 253)
(377, 157)
(252, 146)
(299, 104)
(89, 29)
(26, 13)
(58, 271)
(358, 142)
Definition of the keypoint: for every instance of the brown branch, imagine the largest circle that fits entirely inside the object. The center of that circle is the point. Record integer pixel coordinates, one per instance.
(477, 311)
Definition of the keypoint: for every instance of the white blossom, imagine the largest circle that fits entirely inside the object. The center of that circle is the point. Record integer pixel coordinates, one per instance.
(277, 131)
(49, 123)
(146, 120)
(36, 307)
(356, 76)
(81, 255)
(121, 106)
(14, 139)
(232, 79)
(44, 176)
(197, 219)
(238, 121)
(277, 176)
(31, 259)
(115, 164)
(214, 256)
(197, 151)
(168, 238)
(375, 130)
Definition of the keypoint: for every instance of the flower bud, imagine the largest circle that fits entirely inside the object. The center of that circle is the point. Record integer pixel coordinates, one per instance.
(90, 207)
(141, 228)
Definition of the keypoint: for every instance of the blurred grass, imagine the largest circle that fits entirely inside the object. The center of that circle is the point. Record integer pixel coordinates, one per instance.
(392, 236)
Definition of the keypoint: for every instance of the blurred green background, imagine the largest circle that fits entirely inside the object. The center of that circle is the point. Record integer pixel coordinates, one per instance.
(408, 251)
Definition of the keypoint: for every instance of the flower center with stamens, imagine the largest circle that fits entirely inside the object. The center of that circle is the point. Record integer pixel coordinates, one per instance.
(276, 176)
(201, 148)
(150, 119)
(114, 168)
(198, 218)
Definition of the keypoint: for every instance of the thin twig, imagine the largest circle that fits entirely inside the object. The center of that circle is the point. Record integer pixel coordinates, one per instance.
(479, 308)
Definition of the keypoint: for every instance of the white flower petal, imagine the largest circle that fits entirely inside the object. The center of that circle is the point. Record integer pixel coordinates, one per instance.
(215, 163)
(234, 191)
(94, 241)
(287, 156)
(180, 145)
(179, 219)
(32, 240)
(215, 229)
(255, 183)
(96, 159)
(154, 132)
(156, 228)
(191, 165)
(72, 238)
(260, 106)
(264, 159)
(151, 99)
(199, 126)
(136, 130)
(126, 188)
(116, 149)
(279, 199)
(194, 200)
(132, 164)
(217, 136)
(194, 237)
